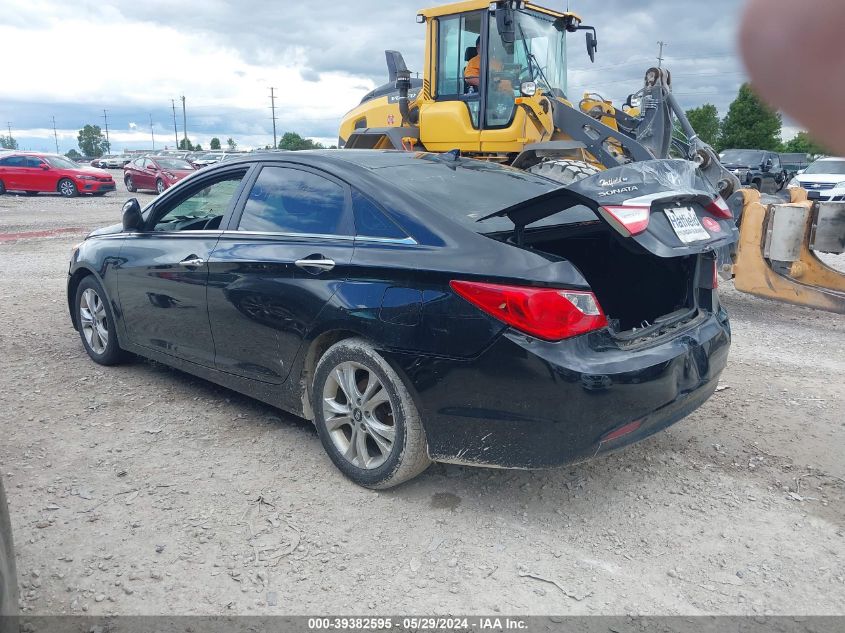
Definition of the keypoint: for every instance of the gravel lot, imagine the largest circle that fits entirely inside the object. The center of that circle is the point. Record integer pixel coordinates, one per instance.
(141, 490)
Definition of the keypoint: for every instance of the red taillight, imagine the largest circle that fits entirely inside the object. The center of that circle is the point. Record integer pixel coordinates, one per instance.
(633, 218)
(546, 313)
(720, 209)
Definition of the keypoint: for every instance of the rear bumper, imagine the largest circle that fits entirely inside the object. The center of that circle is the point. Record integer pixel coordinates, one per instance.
(525, 403)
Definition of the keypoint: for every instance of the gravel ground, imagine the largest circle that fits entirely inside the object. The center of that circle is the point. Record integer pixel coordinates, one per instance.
(142, 490)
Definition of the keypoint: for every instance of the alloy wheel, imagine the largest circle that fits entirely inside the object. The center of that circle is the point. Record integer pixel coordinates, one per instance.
(67, 188)
(93, 321)
(160, 186)
(359, 415)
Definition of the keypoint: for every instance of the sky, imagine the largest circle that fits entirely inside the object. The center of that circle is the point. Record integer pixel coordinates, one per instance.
(136, 59)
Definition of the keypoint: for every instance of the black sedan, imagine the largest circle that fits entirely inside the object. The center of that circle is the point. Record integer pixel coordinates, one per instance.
(423, 307)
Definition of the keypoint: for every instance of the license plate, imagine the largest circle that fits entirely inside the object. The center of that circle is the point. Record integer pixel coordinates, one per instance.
(686, 225)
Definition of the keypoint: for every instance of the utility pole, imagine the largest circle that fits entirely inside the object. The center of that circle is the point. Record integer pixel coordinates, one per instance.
(660, 54)
(55, 135)
(152, 131)
(175, 133)
(273, 108)
(184, 122)
(106, 119)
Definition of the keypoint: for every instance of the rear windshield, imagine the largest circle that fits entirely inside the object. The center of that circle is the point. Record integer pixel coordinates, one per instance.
(466, 190)
(743, 157)
(835, 167)
(173, 163)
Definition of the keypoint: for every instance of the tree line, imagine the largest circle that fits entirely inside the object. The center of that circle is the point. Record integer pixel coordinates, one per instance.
(93, 143)
(749, 124)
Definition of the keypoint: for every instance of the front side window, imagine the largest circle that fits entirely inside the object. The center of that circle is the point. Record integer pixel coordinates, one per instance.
(203, 209)
(32, 161)
(286, 200)
(459, 60)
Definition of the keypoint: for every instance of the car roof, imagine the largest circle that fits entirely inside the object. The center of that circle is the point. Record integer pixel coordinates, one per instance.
(829, 158)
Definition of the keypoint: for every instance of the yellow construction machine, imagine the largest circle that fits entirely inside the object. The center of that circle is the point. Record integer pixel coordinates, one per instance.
(494, 87)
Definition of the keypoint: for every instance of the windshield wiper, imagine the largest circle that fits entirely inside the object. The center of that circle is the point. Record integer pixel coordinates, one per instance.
(529, 56)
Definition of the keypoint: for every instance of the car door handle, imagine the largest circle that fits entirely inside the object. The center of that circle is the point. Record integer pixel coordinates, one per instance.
(192, 260)
(322, 264)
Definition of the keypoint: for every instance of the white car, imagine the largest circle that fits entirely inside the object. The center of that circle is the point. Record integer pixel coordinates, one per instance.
(826, 176)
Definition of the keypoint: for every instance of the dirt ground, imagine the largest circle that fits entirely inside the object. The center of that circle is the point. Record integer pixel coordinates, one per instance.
(142, 490)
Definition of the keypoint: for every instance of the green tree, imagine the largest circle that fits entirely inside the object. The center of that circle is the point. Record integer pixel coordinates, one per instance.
(215, 143)
(705, 121)
(750, 124)
(92, 142)
(230, 142)
(185, 144)
(8, 142)
(197, 147)
(293, 141)
(73, 154)
(804, 144)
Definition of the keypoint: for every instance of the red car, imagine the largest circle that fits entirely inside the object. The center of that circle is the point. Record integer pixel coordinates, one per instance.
(155, 172)
(34, 173)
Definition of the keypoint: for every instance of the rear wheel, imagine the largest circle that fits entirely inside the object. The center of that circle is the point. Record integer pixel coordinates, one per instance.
(365, 417)
(96, 323)
(67, 188)
(564, 171)
(130, 185)
(160, 186)
(2, 188)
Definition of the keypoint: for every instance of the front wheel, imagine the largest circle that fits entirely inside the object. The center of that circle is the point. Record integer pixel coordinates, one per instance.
(2, 188)
(67, 188)
(160, 186)
(564, 171)
(96, 323)
(130, 184)
(365, 416)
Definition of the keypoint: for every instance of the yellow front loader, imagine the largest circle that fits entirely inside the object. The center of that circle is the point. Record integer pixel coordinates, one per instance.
(494, 87)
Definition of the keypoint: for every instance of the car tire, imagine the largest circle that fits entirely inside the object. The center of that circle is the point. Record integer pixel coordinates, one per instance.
(95, 321)
(8, 575)
(32, 193)
(160, 186)
(67, 188)
(564, 171)
(130, 185)
(366, 418)
(2, 188)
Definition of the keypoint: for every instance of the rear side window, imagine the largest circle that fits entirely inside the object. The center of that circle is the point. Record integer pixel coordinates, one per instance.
(285, 200)
(370, 221)
(13, 161)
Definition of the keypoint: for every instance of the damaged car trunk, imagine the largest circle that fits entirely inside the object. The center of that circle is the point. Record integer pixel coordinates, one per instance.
(642, 235)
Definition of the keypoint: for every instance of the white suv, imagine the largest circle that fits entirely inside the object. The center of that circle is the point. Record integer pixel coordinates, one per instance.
(826, 175)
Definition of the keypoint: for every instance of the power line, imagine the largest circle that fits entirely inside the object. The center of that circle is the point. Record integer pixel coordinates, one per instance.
(55, 134)
(273, 109)
(184, 121)
(175, 132)
(106, 119)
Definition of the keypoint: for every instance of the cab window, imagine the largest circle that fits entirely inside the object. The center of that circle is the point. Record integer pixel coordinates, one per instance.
(456, 49)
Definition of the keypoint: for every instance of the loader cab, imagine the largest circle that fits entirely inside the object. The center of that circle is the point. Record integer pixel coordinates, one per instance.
(517, 52)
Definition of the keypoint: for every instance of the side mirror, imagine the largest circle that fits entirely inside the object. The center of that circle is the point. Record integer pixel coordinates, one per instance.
(506, 25)
(767, 164)
(132, 218)
(45, 166)
(592, 45)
